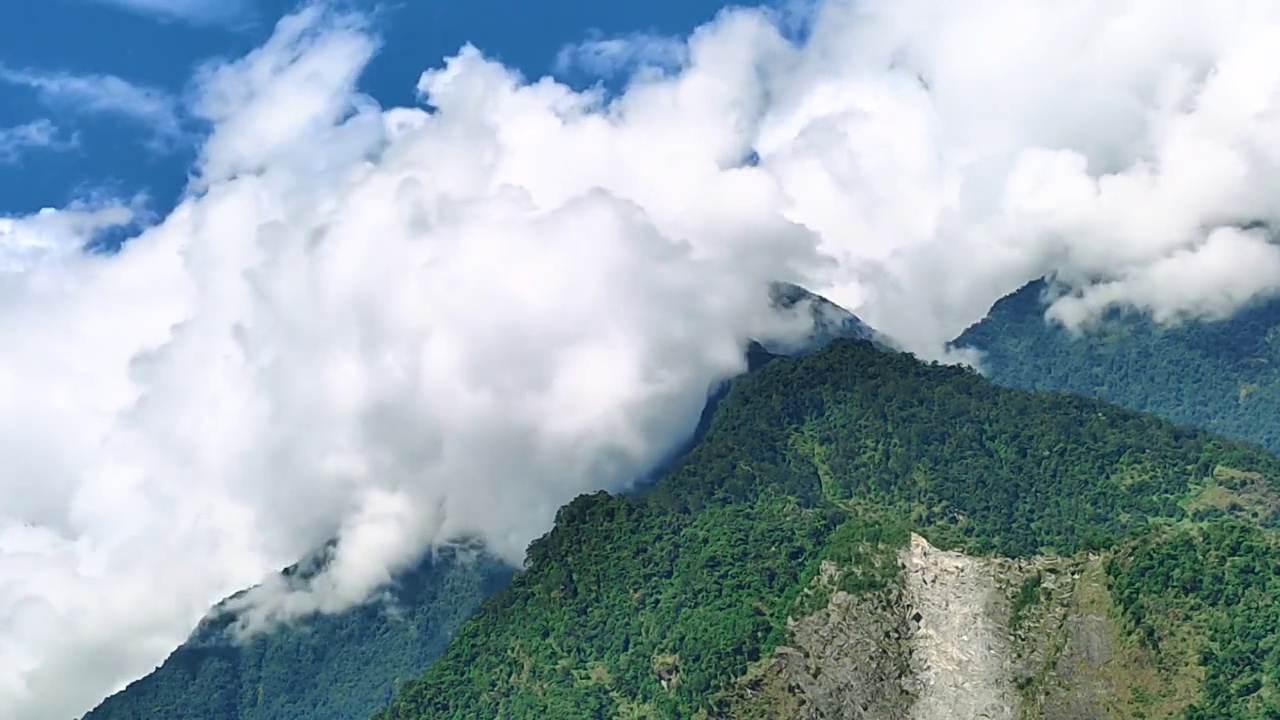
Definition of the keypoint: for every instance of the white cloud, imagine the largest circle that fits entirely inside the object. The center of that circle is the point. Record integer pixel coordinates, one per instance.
(196, 12)
(609, 56)
(16, 141)
(322, 341)
(153, 108)
(1211, 279)
(405, 326)
(287, 96)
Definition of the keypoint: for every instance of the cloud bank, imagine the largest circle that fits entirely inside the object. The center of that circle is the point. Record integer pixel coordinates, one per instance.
(406, 326)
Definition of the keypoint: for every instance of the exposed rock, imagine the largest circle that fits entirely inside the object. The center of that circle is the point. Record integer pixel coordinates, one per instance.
(956, 637)
(848, 660)
(961, 652)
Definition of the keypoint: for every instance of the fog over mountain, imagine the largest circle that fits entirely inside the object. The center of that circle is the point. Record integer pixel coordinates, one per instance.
(404, 326)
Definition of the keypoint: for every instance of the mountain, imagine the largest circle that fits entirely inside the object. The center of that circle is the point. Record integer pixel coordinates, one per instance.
(1220, 375)
(851, 533)
(327, 667)
(348, 665)
(830, 321)
(859, 534)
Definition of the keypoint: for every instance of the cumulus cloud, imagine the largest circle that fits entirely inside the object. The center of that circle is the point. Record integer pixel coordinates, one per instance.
(1209, 280)
(16, 141)
(403, 327)
(152, 108)
(295, 91)
(396, 328)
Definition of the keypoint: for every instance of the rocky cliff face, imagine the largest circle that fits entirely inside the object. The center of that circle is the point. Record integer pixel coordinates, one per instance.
(959, 637)
(962, 650)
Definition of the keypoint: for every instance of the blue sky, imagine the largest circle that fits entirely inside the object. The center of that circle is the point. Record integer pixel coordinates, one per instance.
(70, 127)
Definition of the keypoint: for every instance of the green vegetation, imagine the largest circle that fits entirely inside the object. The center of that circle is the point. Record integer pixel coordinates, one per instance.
(1217, 583)
(649, 607)
(1028, 595)
(1223, 375)
(332, 667)
(1211, 588)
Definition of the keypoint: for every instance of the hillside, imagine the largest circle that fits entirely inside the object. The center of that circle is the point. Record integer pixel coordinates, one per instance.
(860, 532)
(349, 665)
(328, 667)
(1222, 375)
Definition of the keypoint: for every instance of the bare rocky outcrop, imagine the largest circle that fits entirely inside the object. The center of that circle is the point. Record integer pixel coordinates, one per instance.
(956, 636)
(960, 648)
(854, 657)
(849, 659)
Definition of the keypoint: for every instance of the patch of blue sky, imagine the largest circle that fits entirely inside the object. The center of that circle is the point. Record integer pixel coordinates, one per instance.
(92, 91)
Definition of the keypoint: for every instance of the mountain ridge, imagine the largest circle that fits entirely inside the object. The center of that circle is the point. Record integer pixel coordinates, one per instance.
(232, 671)
(661, 606)
(817, 493)
(324, 667)
(1221, 375)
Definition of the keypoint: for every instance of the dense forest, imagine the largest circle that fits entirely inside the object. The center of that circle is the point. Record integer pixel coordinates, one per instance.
(1225, 576)
(325, 667)
(652, 606)
(1220, 375)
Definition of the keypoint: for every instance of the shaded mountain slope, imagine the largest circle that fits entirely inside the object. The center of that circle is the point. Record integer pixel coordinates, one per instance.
(348, 665)
(327, 667)
(1219, 375)
(806, 488)
(830, 321)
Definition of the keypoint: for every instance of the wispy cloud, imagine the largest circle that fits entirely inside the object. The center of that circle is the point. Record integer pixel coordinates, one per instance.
(195, 12)
(151, 107)
(609, 56)
(40, 134)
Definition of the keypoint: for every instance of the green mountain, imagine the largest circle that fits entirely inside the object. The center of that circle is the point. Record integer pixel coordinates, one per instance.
(1220, 375)
(851, 533)
(326, 667)
(859, 534)
(349, 665)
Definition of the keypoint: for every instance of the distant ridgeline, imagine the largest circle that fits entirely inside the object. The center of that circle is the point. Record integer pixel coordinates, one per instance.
(327, 667)
(859, 534)
(338, 667)
(1220, 375)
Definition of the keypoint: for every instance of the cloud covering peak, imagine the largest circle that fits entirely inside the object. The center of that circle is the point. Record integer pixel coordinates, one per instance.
(406, 326)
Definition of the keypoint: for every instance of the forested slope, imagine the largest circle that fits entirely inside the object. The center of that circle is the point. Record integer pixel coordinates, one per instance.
(664, 605)
(349, 665)
(1220, 375)
(326, 667)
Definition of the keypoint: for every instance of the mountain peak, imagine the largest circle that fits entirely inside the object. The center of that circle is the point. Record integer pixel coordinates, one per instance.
(830, 321)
